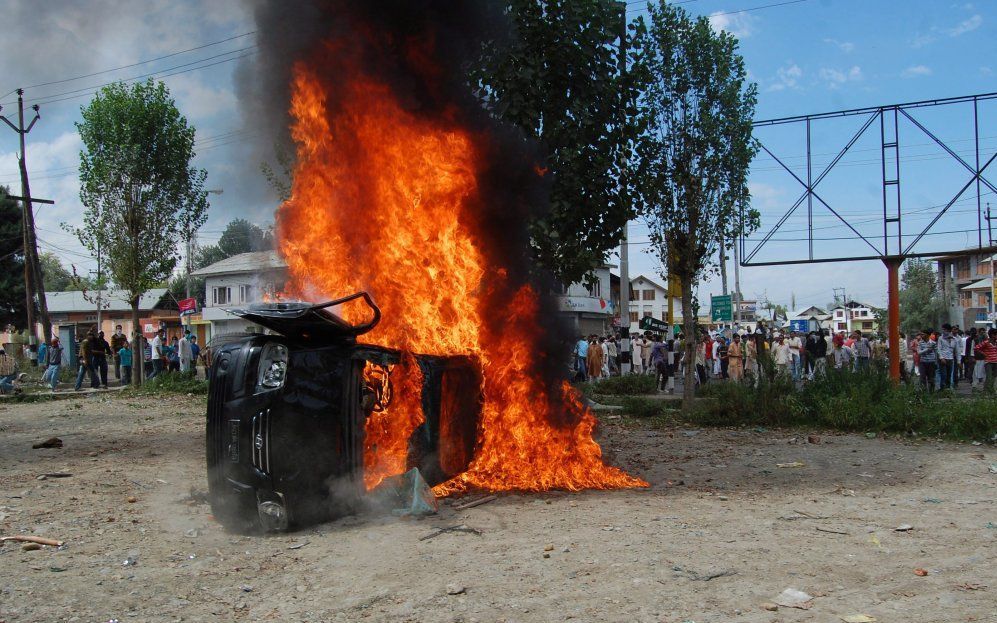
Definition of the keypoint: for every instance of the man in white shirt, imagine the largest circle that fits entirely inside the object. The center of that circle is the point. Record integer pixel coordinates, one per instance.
(185, 353)
(157, 353)
(795, 346)
(638, 354)
(780, 352)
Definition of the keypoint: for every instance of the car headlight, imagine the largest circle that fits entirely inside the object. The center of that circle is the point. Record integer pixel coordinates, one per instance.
(273, 367)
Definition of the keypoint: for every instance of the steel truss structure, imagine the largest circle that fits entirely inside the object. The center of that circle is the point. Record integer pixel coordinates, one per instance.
(896, 244)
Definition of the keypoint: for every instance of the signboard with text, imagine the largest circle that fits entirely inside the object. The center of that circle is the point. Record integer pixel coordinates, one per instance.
(650, 323)
(721, 309)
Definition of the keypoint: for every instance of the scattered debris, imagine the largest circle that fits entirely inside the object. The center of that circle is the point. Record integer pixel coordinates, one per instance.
(971, 586)
(793, 464)
(858, 618)
(58, 569)
(245, 588)
(920, 572)
(28, 547)
(993, 468)
(54, 475)
(793, 598)
(932, 501)
(51, 442)
(455, 589)
(131, 561)
(771, 607)
(904, 527)
(458, 528)
(813, 439)
(132, 499)
(478, 502)
(31, 539)
(841, 490)
(829, 531)
(298, 545)
(549, 547)
(192, 533)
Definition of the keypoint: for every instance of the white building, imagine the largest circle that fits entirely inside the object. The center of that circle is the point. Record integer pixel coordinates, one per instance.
(648, 298)
(588, 307)
(238, 281)
(854, 316)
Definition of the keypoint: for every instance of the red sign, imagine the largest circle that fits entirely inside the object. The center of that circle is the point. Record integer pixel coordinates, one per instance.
(187, 307)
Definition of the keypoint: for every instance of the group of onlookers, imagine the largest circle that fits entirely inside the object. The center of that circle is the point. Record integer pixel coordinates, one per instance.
(942, 359)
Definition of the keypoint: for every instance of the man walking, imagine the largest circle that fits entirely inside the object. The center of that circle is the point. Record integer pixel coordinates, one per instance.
(183, 346)
(85, 358)
(581, 358)
(156, 353)
(927, 352)
(53, 356)
(863, 350)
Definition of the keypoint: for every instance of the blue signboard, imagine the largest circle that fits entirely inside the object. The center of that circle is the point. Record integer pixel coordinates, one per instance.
(801, 326)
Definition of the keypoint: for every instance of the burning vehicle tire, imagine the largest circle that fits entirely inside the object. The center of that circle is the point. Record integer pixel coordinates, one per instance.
(293, 418)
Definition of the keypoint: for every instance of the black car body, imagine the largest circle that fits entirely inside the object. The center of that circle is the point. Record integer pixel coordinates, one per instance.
(286, 417)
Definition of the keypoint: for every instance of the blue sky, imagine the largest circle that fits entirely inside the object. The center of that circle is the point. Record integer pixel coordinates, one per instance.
(807, 57)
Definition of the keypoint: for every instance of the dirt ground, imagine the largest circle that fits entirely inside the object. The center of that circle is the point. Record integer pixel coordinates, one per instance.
(721, 531)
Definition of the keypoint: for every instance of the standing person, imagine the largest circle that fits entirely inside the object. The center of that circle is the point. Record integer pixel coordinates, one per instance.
(594, 359)
(157, 353)
(85, 362)
(605, 357)
(795, 354)
(927, 353)
(905, 357)
(100, 350)
(782, 355)
(54, 360)
(811, 347)
(614, 366)
(43, 356)
(648, 346)
(723, 357)
(118, 341)
(638, 354)
(735, 359)
(659, 360)
(751, 371)
(147, 357)
(124, 357)
(842, 355)
(8, 372)
(986, 351)
(581, 359)
(946, 356)
(701, 359)
(969, 356)
(183, 350)
(957, 356)
(195, 352)
(863, 350)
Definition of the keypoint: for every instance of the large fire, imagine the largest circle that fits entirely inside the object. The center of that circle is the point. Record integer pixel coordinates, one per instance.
(385, 200)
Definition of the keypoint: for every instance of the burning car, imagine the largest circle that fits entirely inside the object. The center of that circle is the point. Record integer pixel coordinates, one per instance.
(294, 418)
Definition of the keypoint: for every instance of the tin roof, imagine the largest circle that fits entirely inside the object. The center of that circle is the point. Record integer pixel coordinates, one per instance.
(982, 284)
(254, 262)
(111, 300)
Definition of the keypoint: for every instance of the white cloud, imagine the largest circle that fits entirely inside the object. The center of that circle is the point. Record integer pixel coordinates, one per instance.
(844, 46)
(787, 77)
(967, 25)
(741, 25)
(833, 78)
(916, 70)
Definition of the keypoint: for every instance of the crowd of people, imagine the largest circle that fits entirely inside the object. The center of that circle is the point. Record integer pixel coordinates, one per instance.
(940, 360)
(95, 355)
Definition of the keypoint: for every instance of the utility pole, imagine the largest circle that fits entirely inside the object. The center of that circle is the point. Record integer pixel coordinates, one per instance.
(737, 286)
(624, 205)
(34, 286)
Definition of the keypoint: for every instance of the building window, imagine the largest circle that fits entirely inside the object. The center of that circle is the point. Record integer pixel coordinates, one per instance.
(221, 295)
(633, 316)
(648, 295)
(245, 294)
(966, 299)
(983, 268)
(664, 315)
(595, 289)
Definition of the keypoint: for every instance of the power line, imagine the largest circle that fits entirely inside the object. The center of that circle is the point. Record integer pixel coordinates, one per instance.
(145, 62)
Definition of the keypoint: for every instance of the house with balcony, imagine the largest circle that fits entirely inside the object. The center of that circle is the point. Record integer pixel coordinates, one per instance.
(588, 306)
(967, 284)
(238, 281)
(853, 316)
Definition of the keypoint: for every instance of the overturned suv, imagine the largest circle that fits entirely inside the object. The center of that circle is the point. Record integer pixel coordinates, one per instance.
(287, 411)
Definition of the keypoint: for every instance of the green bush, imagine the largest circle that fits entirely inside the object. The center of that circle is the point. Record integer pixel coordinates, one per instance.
(846, 400)
(172, 383)
(626, 385)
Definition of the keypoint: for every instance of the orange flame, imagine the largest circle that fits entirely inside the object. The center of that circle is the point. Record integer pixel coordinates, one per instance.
(384, 200)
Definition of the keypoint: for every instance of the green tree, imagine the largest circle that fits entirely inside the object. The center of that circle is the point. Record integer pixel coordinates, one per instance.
(138, 186)
(13, 301)
(923, 305)
(558, 79)
(695, 154)
(241, 236)
(55, 276)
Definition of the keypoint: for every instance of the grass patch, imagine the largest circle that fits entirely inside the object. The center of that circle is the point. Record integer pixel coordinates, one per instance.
(643, 408)
(627, 385)
(172, 383)
(849, 401)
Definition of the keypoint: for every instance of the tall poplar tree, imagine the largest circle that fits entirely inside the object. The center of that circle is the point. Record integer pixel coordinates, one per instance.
(696, 151)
